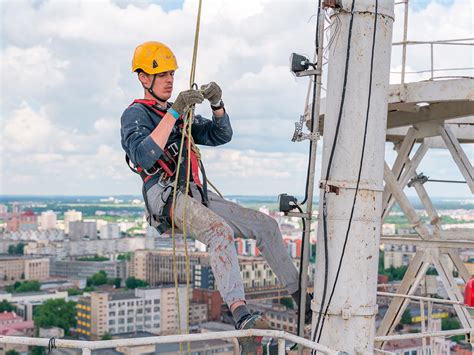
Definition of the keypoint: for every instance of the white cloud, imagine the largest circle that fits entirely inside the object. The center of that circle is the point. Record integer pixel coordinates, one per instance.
(69, 63)
(106, 125)
(31, 71)
(27, 130)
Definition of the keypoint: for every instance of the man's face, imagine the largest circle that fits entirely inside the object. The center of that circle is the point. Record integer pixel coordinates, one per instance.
(163, 86)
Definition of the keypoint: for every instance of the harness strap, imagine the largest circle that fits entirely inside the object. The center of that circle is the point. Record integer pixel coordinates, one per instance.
(169, 154)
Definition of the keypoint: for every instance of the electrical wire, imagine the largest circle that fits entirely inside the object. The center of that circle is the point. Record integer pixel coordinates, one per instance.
(360, 169)
(303, 236)
(301, 271)
(312, 111)
(328, 171)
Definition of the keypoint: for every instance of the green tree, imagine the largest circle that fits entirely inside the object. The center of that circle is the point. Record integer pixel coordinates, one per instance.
(450, 324)
(37, 350)
(11, 250)
(117, 282)
(19, 249)
(381, 262)
(29, 286)
(406, 317)
(287, 302)
(6, 306)
(126, 256)
(16, 249)
(94, 258)
(74, 292)
(133, 282)
(12, 352)
(99, 278)
(106, 336)
(56, 313)
(26, 286)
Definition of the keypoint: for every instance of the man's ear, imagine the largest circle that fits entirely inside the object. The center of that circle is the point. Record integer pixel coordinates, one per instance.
(144, 78)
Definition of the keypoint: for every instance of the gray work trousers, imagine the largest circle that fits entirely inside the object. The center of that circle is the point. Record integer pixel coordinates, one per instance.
(217, 225)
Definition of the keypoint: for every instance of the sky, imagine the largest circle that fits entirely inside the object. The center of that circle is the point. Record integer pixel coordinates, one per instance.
(66, 79)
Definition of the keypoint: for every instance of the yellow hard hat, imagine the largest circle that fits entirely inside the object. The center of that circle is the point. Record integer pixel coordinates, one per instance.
(153, 58)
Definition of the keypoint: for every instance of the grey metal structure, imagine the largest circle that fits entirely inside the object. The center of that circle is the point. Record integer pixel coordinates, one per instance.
(355, 115)
(434, 114)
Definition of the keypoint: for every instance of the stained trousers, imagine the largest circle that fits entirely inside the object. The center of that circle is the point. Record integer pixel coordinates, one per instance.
(217, 225)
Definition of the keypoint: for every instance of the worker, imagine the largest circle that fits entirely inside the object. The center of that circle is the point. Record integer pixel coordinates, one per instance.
(151, 131)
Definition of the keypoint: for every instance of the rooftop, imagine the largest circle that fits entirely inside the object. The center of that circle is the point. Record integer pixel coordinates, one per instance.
(124, 295)
(7, 316)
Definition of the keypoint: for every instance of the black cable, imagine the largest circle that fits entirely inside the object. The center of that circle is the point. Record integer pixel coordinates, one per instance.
(312, 110)
(331, 156)
(303, 236)
(360, 169)
(301, 273)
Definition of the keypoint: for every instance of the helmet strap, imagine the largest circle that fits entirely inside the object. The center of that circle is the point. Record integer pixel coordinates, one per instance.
(150, 90)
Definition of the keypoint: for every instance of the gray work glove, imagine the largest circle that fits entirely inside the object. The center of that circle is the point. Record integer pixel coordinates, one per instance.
(185, 99)
(212, 92)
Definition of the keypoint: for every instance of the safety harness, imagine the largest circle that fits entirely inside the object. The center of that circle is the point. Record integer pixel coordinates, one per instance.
(165, 168)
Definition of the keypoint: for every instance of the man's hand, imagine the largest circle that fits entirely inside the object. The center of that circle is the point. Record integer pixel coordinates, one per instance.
(212, 92)
(186, 99)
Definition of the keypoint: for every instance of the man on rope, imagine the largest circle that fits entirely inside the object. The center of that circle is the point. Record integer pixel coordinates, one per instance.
(151, 132)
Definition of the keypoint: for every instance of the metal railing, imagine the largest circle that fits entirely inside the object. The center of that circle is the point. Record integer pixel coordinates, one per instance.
(88, 346)
(432, 44)
(405, 43)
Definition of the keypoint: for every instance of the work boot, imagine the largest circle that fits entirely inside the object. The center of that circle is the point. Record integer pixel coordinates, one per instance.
(251, 345)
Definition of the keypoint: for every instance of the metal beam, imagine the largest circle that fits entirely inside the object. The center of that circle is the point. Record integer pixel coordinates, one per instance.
(439, 111)
(404, 204)
(458, 263)
(458, 155)
(404, 150)
(408, 286)
(451, 288)
(413, 239)
(409, 172)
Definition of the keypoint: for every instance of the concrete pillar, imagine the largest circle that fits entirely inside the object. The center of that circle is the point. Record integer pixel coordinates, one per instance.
(350, 322)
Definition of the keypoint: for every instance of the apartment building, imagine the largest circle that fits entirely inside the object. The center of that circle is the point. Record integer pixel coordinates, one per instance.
(63, 249)
(278, 317)
(398, 255)
(23, 268)
(254, 270)
(47, 220)
(82, 229)
(156, 266)
(24, 221)
(150, 309)
(71, 216)
(83, 269)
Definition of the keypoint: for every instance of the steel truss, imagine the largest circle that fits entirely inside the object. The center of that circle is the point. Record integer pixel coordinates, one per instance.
(435, 246)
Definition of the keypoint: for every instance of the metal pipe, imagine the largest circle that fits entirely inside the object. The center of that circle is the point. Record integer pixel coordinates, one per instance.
(443, 41)
(429, 71)
(355, 159)
(310, 187)
(167, 339)
(432, 65)
(281, 346)
(419, 298)
(404, 50)
(444, 333)
(423, 326)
